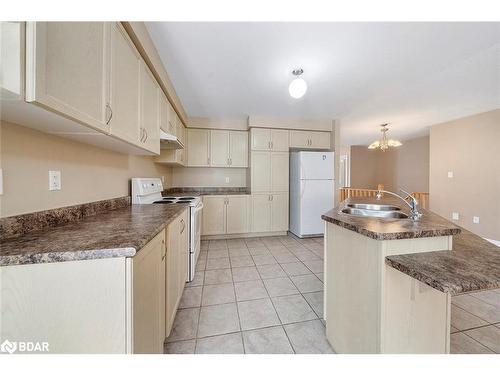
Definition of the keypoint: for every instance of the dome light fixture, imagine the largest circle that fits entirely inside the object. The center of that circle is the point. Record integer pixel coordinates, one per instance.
(298, 86)
(384, 143)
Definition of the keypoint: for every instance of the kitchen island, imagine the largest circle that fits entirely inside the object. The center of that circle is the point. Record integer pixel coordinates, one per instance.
(389, 282)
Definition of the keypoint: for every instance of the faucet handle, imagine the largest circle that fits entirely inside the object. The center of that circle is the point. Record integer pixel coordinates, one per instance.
(407, 194)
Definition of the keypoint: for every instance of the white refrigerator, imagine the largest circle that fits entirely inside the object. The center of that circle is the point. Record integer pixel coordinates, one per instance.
(311, 191)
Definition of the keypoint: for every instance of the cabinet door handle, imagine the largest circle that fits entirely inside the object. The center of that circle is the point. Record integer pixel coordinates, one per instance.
(269, 145)
(110, 113)
(208, 161)
(146, 134)
(183, 226)
(272, 145)
(272, 197)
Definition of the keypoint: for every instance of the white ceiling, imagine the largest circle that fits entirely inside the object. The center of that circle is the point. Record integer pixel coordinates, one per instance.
(411, 75)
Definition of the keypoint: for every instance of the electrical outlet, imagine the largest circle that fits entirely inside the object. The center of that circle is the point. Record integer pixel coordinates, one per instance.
(455, 216)
(450, 174)
(54, 180)
(227, 180)
(475, 219)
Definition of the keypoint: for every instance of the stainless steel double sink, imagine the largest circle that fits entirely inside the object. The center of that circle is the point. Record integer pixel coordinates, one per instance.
(375, 210)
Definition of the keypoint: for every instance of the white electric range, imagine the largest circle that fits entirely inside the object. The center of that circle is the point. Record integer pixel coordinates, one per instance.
(149, 191)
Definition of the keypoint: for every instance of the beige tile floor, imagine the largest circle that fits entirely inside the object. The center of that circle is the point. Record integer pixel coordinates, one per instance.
(265, 295)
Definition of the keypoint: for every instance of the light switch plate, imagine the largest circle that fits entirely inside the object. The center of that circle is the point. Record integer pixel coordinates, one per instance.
(54, 180)
(475, 219)
(227, 180)
(455, 216)
(450, 174)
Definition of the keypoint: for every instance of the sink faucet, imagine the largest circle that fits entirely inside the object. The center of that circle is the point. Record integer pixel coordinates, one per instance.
(413, 204)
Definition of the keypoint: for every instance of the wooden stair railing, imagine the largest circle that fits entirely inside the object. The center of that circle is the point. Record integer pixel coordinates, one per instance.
(347, 192)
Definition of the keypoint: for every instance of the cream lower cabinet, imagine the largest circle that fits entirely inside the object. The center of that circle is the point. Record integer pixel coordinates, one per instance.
(149, 296)
(95, 306)
(225, 214)
(269, 212)
(176, 267)
(269, 171)
(310, 139)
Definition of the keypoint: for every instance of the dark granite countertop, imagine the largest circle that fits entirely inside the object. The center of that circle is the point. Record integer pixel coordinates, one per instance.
(472, 265)
(429, 225)
(197, 191)
(115, 233)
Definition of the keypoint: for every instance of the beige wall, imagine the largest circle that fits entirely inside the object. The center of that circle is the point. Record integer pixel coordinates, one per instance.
(208, 177)
(468, 147)
(404, 167)
(88, 173)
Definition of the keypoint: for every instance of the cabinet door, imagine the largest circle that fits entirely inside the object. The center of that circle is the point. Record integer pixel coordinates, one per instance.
(320, 140)
(279, 171)
(261, 213)
(237, 214)
(238, 149)
(219, 148)
(280, 140)
(214, 215)
(261, 171)
(150, 111)
(172, 119)
(299, 139)
(124, 94)
(172, 273)
(164, 113)
(67, 69)
(198, 148)
(183, 252)
(279, 212)
(148, 296)
(260, 139)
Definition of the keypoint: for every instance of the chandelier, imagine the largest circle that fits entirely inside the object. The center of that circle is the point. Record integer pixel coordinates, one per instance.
(384, 143)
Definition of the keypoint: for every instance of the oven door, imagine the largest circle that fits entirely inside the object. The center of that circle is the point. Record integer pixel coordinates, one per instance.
(194, 240)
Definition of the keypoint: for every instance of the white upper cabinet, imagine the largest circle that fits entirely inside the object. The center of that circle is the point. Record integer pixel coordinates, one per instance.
(198, 141)
(219, 151)
(269, 139)
(279, 140)
(309, 139)
(124, 98)
(67, 68)
(260, 139)
(150, 111)
(238, 149)
(92, 73)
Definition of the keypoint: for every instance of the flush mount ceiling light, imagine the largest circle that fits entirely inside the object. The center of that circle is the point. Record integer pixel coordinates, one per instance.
(298, 86)
(385, 143)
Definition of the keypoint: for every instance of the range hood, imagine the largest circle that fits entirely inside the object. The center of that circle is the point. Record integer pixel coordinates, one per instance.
(169, 141)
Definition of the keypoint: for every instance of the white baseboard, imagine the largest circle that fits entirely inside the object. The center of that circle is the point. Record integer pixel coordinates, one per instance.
(242, 235)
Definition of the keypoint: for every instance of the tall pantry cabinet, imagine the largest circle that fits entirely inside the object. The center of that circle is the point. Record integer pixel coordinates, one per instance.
(269, 166)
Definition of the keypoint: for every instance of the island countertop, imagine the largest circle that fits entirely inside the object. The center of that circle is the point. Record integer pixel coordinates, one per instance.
(115, 233)
(429, 225)
(472, 265)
